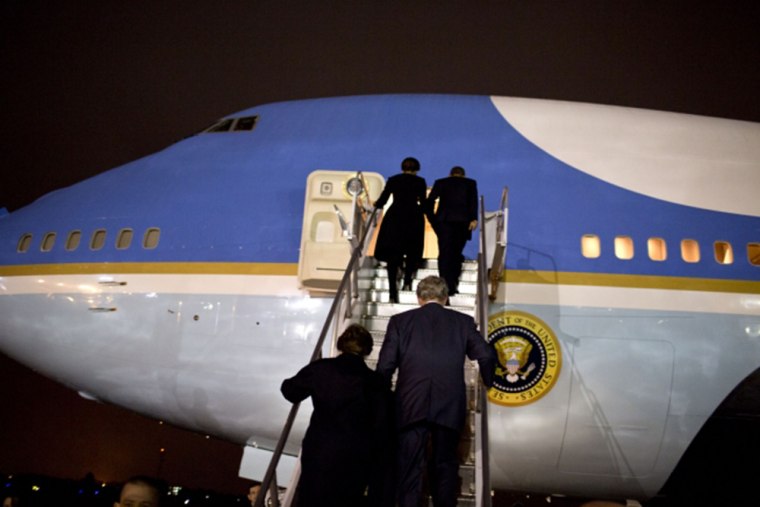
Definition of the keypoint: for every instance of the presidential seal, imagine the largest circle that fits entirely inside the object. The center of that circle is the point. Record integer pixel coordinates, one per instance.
(529, 358)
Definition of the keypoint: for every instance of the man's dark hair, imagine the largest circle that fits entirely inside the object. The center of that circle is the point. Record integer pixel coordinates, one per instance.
(456, 171)
(433, 288)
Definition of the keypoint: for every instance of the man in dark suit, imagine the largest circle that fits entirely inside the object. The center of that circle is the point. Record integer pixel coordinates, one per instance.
(428, 346)
(453, 221)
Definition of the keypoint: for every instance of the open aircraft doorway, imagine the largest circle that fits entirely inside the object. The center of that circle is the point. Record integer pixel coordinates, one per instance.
(330, 202)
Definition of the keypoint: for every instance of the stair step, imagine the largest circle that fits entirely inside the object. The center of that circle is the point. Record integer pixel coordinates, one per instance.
(467, 264)
(407, 301)
(382, 283)
(410, 297)
(380, 322)
(467, 275)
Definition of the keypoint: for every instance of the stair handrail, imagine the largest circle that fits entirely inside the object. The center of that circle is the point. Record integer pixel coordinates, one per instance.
(500, 247)
(482, 458)
(269, 482)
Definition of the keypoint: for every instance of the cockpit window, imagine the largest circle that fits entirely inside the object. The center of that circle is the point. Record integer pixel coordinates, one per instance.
(222, 126)
(246, 123)
(235, 124)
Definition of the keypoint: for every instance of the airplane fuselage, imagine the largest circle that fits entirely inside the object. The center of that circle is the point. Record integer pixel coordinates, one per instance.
(170, 285)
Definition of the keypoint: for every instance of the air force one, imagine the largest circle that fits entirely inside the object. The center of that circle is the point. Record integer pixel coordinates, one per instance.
(188, 284)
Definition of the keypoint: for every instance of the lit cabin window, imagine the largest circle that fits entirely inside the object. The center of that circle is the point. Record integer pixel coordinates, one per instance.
(623, 247)
(98, 239)
(690, 250)
(221, 126)
(591, 247)
(48, 241)
(150, 240)
(724, 254)
(753, 253)
(246, 123)
(72, 241)
(657, 249)
(124, 239)
(24, 243)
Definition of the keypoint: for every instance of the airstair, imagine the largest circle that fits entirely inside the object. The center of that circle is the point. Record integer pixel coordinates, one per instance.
(375, 311)
(362, 296)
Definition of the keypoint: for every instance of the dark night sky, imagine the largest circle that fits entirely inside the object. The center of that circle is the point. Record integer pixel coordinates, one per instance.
(87, 86)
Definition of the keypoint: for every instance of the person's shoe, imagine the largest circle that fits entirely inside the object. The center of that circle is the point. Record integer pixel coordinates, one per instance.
(407, 286)
(393, 298)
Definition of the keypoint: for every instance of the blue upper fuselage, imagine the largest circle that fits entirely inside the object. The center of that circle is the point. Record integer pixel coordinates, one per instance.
(238, 196)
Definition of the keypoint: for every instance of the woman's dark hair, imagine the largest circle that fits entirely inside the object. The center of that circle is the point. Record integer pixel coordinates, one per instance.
(355, 340)
(410, 164)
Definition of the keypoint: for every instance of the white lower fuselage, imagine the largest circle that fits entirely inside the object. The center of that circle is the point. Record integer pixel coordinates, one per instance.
(212, 361)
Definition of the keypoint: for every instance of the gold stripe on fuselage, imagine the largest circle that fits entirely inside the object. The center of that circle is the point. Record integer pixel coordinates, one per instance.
(154, 268)
(291, 269)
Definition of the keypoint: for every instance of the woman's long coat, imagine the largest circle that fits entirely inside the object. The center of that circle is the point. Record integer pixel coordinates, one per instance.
(402, 232)
(344, 448)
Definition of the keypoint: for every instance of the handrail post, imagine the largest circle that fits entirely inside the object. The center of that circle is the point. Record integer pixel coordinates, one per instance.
(500, 244)
(483, 479)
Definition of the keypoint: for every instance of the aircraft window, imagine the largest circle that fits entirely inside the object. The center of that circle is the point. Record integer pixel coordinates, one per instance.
(150, 240)
(591, 247)
(221, 126)
(690, 250)
(323, 228)
(124, 239)
(98, 239)
(753, 253)
(623, 247)
(246, 123)
(658, 250)
(24, 243)
(724, 254)
(47, 242)
(72, 242)
(325, 232)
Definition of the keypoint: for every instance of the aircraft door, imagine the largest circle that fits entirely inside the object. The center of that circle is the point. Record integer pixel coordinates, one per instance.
(325, 250)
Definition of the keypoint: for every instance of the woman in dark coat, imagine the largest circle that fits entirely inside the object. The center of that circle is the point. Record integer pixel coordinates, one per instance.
(347, 439)
(402, 233)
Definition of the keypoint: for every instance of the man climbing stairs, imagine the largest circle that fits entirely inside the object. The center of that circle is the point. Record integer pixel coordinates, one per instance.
(375, 310)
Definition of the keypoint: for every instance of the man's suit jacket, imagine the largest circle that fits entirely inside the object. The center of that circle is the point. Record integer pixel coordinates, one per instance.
(428, 346)
(457, 200)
